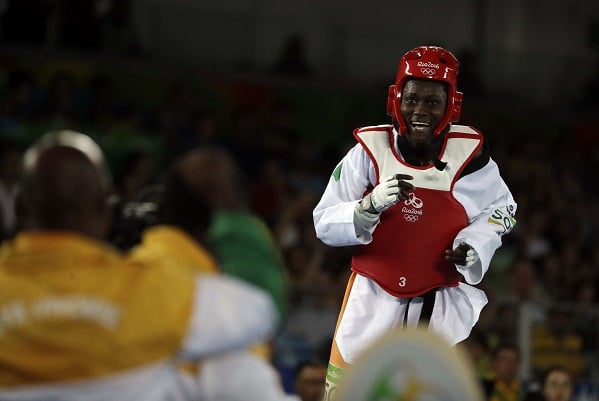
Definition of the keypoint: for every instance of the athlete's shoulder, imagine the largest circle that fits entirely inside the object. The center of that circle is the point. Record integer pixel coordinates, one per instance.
(381, 127)
(386, 128)
(465, 130)
(469, 133)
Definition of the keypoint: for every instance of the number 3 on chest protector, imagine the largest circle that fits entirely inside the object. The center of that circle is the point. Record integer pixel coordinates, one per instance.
(402, 281)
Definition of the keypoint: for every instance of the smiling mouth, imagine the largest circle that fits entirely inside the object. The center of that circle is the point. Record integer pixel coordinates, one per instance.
(418, 126)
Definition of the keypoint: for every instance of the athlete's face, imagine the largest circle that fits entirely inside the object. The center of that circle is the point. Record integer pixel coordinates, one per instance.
(423, 105)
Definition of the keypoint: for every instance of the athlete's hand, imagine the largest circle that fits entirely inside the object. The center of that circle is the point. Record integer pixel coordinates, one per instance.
(391, 190)
(463, 255)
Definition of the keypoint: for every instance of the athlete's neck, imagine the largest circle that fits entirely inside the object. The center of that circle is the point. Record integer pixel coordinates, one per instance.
(420, 155)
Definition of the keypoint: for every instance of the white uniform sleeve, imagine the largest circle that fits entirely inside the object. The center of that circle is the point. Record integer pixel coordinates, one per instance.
(240, 376)
(490, 208)
(227, 314)
(334, 213)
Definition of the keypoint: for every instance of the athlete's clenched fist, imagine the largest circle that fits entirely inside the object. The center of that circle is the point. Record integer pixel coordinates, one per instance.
(463, 255)
(387, 193)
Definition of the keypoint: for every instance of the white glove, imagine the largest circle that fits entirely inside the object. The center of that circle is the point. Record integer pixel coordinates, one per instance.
(364, 221)
(390, 191)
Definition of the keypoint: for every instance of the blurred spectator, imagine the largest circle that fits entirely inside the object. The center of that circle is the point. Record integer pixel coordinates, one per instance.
(557, 384)
(556, 341)
(477, 349)
(309, 380)
(504, 385)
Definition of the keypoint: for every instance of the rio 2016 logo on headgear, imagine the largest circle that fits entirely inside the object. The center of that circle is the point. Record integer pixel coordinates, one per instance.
(428, 68)
(428, 64)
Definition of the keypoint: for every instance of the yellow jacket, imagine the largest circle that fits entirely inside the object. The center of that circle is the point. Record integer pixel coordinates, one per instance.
(74, 311)
(173, 244)
(176, 246)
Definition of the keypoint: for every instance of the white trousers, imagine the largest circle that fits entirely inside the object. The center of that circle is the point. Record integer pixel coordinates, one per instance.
(370, 312)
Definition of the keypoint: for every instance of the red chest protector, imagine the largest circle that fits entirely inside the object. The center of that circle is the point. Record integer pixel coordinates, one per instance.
(407, 254)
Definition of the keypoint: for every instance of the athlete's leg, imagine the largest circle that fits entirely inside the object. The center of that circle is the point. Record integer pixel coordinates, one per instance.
(336, 363)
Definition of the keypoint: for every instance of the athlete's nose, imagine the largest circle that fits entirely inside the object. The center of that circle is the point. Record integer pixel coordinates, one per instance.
(419, 108)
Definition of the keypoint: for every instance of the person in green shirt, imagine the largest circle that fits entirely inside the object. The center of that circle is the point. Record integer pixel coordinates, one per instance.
(241, 242)
(245, 248)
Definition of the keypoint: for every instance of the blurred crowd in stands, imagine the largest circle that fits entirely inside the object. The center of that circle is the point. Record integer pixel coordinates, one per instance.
(548, 267)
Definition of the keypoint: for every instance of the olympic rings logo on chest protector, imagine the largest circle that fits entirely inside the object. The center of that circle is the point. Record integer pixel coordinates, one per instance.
(428, 71)
(412, 218)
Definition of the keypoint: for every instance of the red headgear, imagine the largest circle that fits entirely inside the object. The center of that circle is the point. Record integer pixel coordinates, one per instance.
(430, 63)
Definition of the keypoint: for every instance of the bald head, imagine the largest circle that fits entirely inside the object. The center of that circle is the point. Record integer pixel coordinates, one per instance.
(75, 140)
(63, 189)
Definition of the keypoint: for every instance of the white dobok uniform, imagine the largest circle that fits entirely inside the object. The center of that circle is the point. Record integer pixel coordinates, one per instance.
(489, 207)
